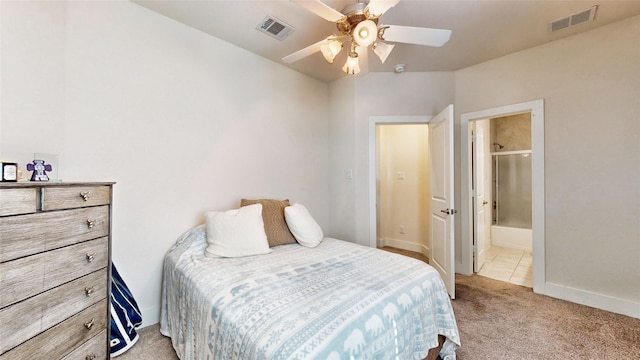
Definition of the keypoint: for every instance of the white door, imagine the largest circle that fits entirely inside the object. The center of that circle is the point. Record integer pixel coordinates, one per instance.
(441, 199)
(482, 214)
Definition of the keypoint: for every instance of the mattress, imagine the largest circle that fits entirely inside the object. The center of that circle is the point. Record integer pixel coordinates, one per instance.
(339, 300)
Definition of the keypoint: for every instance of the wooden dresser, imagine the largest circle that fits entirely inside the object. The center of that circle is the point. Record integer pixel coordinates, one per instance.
(55, 265)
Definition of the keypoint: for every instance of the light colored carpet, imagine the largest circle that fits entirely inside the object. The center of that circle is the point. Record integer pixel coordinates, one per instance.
(498, 320)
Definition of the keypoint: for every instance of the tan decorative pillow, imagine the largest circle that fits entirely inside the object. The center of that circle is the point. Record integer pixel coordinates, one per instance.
(274, 223)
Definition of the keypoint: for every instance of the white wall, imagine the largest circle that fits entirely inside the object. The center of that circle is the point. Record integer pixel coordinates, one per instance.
(376, 94)
(590, 84)
(341, 158)
(182, 121)
(32, 87)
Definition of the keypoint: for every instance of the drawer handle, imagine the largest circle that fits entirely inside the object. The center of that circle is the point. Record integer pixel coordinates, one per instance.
(91, 223)
(85, 195)
(90, 257)
(90, 357)
(89, 325)
(89, 291)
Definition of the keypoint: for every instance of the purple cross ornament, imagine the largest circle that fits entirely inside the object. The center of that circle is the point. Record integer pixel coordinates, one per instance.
(39, 169)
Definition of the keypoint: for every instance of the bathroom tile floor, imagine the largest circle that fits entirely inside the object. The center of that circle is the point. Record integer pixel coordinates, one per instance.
(510, 265)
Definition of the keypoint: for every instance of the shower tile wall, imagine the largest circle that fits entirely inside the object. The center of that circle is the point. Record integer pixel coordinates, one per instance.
(512, 132)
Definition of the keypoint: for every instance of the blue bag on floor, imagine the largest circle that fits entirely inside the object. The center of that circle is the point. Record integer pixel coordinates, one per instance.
(125, 315)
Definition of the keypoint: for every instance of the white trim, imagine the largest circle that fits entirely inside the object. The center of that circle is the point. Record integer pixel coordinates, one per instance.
(150, 316)
(598, 301)
(381, 120)
(536, 107)
(404, 245)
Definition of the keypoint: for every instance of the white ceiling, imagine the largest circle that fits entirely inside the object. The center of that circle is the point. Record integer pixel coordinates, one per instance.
(482, 29)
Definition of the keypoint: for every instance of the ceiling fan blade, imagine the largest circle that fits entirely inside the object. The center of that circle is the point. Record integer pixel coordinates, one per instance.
(379, 7)
(321, 9)
(301, 54)
(416, 35)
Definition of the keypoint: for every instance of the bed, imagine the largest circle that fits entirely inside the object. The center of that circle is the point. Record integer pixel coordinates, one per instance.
(338, 300)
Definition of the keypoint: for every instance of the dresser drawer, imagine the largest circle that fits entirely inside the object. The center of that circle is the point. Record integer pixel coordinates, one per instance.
(56, 198)
(61, 339)
(34, 233)
(34, 315)
(94, 349)
(34, 274)
(18, 201)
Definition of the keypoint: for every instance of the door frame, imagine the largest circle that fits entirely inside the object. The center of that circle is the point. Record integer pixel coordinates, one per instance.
(486, 195)
(536, 108)
(373, 122)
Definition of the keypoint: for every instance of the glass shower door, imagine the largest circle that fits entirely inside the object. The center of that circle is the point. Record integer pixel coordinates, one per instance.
(512, 190)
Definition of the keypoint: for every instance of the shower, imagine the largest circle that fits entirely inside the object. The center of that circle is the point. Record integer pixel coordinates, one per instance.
(512, 190)
(511, 193)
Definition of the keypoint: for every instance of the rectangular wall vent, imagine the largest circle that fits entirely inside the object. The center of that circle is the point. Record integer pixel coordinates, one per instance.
(274, 27)
(574, 19)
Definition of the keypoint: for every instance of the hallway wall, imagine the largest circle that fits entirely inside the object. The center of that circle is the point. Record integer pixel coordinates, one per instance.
(403, 186)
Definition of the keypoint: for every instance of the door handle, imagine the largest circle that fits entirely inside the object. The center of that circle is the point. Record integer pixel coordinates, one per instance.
(485, 202)
(449, 211)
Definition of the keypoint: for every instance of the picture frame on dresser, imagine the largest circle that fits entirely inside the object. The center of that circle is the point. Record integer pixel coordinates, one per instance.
(55, 270)
(8, 171)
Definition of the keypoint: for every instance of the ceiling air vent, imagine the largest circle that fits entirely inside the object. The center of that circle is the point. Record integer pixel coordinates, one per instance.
(574, 19)
(561, 24)
(276, 28)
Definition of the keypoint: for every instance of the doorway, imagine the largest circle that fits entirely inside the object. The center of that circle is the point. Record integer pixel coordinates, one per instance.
(402, 152)
(374, 158)
(441, 190)
(501, 198)
(467, 121)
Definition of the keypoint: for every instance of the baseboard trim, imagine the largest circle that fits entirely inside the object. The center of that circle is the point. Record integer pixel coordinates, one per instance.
(150, 316)
(404, 245)
(595, 300)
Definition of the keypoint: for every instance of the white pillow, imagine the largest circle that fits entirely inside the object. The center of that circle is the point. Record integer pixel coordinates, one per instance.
(302, 225)
(236, 233)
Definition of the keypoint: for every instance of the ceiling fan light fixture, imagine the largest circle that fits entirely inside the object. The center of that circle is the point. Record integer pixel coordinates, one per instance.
(330, 49)
(365, 33)
(352, 66)
(382, 50)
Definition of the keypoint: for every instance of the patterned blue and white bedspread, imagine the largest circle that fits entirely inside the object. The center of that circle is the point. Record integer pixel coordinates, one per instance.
(337, 301)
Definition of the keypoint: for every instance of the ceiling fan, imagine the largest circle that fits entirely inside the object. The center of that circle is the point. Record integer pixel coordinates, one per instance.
(358, 27)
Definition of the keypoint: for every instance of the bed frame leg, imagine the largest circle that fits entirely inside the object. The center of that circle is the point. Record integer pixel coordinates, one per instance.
(433, 353)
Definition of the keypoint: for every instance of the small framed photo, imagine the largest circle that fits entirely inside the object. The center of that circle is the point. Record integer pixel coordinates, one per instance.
(9, 171)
